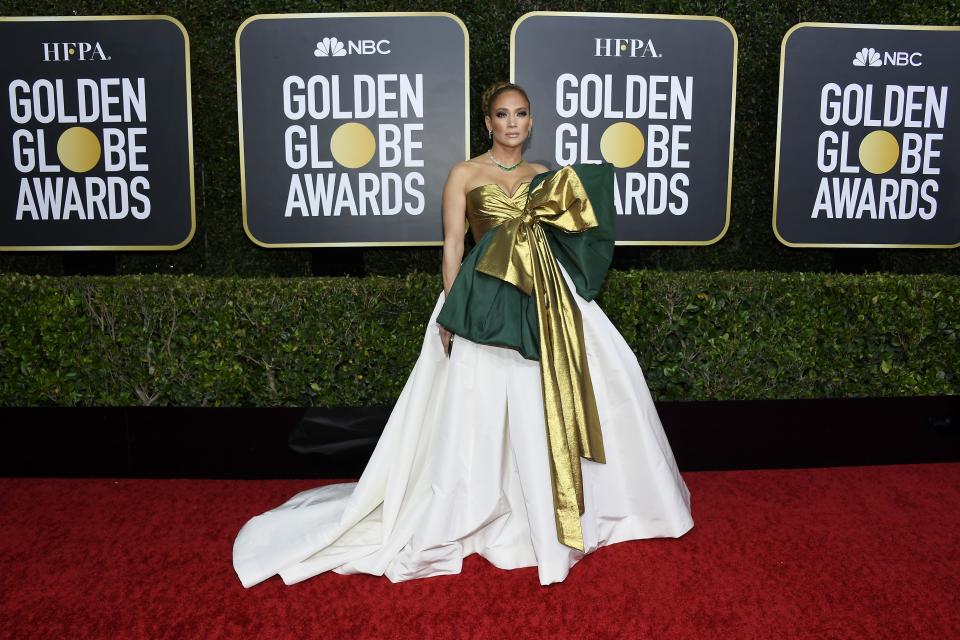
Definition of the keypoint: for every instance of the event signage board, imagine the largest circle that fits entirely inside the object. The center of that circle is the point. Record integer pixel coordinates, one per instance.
(97, 130)
(349, 125)
(652, 94)
(868, 149)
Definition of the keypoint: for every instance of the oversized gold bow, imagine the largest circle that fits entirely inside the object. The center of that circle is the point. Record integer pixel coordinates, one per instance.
(520, 254)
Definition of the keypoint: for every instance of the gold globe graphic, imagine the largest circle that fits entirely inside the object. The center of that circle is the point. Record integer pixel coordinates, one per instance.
(352, 145)
(879, 151)
(622, 144)
(78, 149)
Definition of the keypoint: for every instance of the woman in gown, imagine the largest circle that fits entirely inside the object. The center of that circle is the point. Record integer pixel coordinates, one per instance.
(525, 431)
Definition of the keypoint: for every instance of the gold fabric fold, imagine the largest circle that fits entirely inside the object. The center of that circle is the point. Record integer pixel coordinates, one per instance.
(520, 254)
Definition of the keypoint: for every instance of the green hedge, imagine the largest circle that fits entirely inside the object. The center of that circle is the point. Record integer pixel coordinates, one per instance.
(197, 341)
(220, 247)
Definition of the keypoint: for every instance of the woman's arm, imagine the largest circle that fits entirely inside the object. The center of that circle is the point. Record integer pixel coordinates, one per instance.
(454, 227)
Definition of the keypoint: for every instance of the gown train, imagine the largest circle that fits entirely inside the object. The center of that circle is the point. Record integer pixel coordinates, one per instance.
(462, 467)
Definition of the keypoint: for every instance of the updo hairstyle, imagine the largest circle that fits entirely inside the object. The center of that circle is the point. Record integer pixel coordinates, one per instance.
(491, 92)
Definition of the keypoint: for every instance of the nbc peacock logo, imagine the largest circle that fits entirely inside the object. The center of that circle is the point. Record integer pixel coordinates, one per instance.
(867, 57)
(330, 47)
(333, 47)
(870, 57)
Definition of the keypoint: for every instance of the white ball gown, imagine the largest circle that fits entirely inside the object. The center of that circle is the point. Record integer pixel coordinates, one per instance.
(463, 466)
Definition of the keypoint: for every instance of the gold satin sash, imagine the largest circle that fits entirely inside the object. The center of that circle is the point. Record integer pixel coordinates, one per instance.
(520, 254)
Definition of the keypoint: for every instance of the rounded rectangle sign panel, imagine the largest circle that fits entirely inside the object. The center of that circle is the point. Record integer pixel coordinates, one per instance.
(97, 129)
(865, 153)
(651, 94)
(349, 124)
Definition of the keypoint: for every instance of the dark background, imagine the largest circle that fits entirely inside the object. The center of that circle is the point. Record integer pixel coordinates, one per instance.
(166, 138)
(276, 49)
(701, 49)
(816, 56)
(221, 248)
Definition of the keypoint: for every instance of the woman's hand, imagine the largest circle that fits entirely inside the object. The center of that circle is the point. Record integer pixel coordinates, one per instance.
(445, 338)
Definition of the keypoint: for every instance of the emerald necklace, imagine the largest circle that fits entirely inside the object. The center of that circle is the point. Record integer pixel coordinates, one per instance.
(503, 166)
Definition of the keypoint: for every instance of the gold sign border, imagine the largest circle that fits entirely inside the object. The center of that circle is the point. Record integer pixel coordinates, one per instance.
(733, 100)
(776, 171)
(193, 206)
(371, 14)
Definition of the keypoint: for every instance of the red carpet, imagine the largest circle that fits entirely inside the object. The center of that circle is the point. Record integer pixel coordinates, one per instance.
(854, 552)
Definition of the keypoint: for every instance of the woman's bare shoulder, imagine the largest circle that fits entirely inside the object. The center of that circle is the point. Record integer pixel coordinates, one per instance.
(466, 171)
(539, 168)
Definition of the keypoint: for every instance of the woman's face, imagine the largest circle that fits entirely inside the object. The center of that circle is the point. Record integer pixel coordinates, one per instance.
(509, 119)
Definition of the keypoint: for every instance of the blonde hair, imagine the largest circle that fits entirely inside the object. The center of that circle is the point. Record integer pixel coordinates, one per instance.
(495, 89)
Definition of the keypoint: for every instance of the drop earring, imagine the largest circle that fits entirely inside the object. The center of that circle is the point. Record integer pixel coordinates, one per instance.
(490, 133)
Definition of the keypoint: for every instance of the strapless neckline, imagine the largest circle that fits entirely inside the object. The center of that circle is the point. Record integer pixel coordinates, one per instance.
(501, 189)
